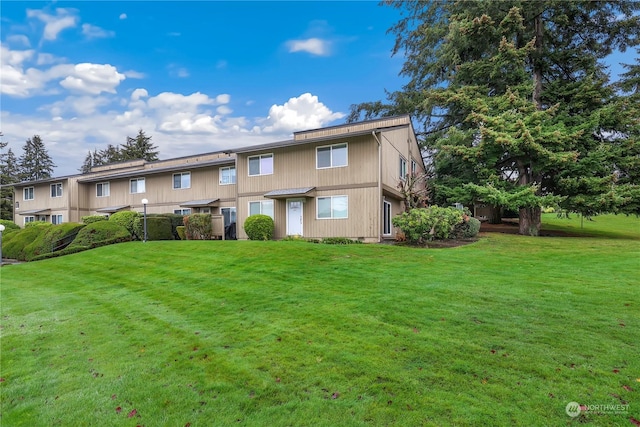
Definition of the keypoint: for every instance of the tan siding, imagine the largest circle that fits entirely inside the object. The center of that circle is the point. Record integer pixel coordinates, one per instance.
(295, 167)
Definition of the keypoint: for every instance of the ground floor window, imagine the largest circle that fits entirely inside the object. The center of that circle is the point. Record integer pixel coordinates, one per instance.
(386, 218)
(333, 207)
(56, 219)
(264, 207)
(28, 219)
(182, 211)
(229, 215)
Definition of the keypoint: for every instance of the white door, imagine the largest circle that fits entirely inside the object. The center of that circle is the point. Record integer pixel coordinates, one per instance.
(294, 217)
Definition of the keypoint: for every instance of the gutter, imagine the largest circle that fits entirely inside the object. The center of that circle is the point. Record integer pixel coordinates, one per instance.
(380, 206)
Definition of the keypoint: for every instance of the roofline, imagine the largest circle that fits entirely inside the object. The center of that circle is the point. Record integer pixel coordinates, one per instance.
(357, 123)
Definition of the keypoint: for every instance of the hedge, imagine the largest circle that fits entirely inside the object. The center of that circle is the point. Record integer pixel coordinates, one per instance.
(198, 227)
(127, 220)
(14, 246)
(90, 219)
(100, 233)
(9, 225)
(45, 241)
(259, 227)
(158, 227)
(424, 224)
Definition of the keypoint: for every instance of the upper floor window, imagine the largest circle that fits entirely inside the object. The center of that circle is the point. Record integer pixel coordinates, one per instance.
(181, 180)
(333, 207)
(56, 219)
(102, 189)
(56, 190)
(137, 185)
(264, 207)
(403, 168)
(28, 193)
(331, 156)
(414, 167)
(261, 165)
(228, 175)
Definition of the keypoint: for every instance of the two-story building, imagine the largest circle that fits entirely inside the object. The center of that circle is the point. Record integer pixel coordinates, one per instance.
(339, 181)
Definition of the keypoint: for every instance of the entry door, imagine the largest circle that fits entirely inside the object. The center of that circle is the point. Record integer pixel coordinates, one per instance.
(294, 217)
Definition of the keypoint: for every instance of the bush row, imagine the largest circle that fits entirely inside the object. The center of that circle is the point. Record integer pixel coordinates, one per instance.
(436, 223)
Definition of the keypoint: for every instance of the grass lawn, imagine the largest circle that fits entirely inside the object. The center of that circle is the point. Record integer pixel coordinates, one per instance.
(505, 331)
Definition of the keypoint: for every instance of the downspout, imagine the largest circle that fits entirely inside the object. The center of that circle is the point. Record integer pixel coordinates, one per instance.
(380, 206)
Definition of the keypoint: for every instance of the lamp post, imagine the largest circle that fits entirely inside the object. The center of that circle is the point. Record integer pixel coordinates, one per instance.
(144, 204)
(1, 230)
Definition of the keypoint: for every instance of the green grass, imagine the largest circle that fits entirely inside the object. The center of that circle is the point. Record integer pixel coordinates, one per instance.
(505, 331)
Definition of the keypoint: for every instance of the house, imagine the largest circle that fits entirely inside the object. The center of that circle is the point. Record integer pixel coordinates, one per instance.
(339, 181)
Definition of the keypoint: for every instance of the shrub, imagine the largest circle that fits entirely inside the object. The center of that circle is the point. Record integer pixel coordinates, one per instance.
(424, 224)
(14, 246)
(100, 233)
(176, 221)
(44, 242)
(340, 241)
(126, 219)
(467, 229)
(259, 227)
(38, 224)
(182, 234)
(198, 227)
(9, 225)
(93, 218)
(158, 227)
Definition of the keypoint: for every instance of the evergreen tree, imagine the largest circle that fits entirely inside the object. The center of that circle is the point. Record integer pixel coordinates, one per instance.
(9, 173)
(87, 164)
(513, 98)
(111, 154)
(35, 162)
(139, 147)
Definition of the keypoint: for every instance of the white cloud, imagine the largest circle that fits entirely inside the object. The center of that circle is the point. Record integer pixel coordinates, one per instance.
(19, 40)
(93, 78)
(223, 98)
(139, 93)
(223, 110)
(314, 46)
(94, 32)
(177, 101)
(132, 74)
(123, 16)
(303, 112)
(54, 24)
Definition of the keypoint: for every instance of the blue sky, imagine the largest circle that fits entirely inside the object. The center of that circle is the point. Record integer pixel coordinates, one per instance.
(196, 76)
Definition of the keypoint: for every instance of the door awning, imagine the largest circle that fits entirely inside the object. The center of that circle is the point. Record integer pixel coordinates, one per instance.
(112, 209)
(199, 203)
(291, 192)
(36, 212)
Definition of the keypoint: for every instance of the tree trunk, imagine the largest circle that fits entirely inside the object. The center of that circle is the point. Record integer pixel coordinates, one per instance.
(530, 221)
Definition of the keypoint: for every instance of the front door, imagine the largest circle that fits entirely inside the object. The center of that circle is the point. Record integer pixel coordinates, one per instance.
(294, 217)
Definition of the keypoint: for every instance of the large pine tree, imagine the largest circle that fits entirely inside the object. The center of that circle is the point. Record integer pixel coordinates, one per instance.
(512, 98)
(35, 162)
(139, 147)
(9, 174)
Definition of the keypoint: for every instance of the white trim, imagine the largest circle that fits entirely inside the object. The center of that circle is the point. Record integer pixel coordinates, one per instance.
(51, 186)
(108, 183)
(331, 146)
(332, 197)
(137, 180)
(173, 180)
(288, 204)
(28, 219)
(235, 175)
(56, 216)
(260, 156)
(273, 208)
(403, 162)
(384, 216)
(33, 193)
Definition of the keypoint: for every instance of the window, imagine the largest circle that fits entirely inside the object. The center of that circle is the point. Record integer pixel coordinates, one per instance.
(332, 156)
(228, 175)
(137, 185)
(386, 218)
(28, 193)
(56, 219)
(181, 180)
(182, 211)
(229, 215)
(414, 167)
(28, 219)
(403, 168)
(261, 165)
(56, 190)
(264, 207)
(333, 207)
(102, 189)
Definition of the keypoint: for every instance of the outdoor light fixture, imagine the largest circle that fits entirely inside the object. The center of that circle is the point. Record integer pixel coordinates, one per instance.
(1, 230)
(144, 204)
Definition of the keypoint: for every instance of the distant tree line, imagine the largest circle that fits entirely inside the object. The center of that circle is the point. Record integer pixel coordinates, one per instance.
(138, 148)
(35, 163)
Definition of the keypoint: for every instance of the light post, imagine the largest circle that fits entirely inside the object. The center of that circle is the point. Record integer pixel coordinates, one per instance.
(144, 204)
(1, 230)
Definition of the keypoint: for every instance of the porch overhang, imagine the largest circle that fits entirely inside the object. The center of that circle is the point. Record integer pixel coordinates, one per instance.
(36, 212)
(288, 193)
(112, 209)
(200, 203)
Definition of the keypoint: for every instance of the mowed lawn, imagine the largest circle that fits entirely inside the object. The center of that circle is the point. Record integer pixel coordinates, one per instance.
(505, 331)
